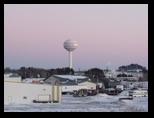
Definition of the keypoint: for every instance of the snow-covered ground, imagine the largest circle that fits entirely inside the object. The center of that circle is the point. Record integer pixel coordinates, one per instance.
(98, 103)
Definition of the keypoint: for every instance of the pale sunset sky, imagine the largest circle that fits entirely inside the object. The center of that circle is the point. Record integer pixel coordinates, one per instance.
(107, 35)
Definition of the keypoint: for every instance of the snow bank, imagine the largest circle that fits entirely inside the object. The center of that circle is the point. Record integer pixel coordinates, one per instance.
(124, 93)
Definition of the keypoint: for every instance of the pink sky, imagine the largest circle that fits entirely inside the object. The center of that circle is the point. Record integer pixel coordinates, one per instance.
(107, 34)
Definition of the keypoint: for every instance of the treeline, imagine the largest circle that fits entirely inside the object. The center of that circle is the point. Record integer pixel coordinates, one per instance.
(31, 72)
(94, 73)
(132, 67)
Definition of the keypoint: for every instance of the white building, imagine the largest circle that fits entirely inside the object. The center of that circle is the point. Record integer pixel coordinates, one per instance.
(91, 85)
(136, 73)
(109, 73)
(138, 92)
(16, 92)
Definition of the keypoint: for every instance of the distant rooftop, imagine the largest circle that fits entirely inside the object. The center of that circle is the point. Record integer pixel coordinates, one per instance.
(7, 75)
(70, 77)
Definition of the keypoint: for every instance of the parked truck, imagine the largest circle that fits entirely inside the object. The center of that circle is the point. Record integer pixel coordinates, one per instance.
(80, 93)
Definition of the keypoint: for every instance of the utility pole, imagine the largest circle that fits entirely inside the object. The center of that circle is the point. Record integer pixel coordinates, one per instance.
(97, 86)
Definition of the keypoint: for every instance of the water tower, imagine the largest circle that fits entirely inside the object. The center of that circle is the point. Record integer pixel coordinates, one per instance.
(70, 45)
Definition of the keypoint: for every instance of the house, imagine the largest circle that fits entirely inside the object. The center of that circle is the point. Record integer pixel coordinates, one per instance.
(110, 82)
(73, 82)
(67, 82)
(131, 79)
(16, 91)
(92, 83)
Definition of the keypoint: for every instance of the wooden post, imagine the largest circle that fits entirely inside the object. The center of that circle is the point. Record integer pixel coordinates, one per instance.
(53, 89)
(53, 92)
(58, 93)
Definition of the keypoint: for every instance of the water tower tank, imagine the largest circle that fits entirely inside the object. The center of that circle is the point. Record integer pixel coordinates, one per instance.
(70, 45)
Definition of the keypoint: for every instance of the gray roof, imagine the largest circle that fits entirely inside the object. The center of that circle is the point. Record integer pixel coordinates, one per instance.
(60, 79)
(73, 82)
(6, 75)
(92, 80)
(65, 81)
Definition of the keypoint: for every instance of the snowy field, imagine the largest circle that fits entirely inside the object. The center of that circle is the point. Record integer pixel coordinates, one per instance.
(98, 103)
